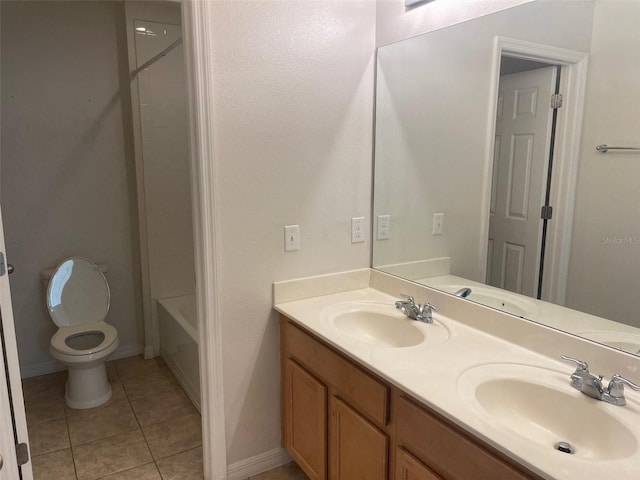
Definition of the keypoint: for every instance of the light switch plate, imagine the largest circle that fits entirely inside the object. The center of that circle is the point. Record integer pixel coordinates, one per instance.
(291, 238)
(438, 224)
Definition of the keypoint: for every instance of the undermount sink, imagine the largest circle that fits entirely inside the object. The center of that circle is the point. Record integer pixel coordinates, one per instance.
(382, 325)
(539, 405)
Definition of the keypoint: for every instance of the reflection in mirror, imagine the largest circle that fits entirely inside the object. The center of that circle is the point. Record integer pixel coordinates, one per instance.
(472, 148)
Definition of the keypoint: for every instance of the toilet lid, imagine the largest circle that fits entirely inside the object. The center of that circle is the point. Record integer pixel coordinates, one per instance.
(78, 293)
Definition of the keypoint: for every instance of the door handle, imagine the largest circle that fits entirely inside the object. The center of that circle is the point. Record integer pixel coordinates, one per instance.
(10, 270)
(1, 462)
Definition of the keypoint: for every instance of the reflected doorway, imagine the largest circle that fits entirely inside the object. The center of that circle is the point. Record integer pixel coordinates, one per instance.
(526, 118)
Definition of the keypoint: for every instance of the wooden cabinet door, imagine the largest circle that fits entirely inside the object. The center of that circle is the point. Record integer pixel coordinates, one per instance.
(305, 416)
(357, 449)
(410, 468)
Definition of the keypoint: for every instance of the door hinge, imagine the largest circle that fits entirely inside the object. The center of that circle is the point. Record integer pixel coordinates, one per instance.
(22, 453)
(546, 212)
(556, 100)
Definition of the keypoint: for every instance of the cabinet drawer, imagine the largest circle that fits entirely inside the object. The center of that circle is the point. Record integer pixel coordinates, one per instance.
(451, 454)
(362, 391)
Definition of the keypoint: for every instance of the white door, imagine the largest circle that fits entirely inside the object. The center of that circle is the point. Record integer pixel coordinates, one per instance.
(13, 424)
(523, 127)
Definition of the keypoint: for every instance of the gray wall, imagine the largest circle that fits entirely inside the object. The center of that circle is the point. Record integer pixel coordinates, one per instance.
(67, 173)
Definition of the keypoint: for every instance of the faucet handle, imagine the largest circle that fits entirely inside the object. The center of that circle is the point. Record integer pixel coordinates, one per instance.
(408, 298)
(428, 307)
(617, 383)
(581, 365)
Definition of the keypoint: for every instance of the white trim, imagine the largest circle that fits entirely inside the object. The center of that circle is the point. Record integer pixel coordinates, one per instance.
(197, 28)
(566, 158)
(258, 464)
(151, 337)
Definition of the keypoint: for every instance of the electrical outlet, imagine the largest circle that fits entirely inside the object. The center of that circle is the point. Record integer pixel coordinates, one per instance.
(438, 224)
(357, 230)
(291, 238)
(384, 227)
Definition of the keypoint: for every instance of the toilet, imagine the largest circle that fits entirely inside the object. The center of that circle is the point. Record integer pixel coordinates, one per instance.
(78, 299)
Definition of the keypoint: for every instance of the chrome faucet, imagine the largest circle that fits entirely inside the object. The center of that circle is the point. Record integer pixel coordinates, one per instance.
(591, 385)
(421, 313)
(463, 292)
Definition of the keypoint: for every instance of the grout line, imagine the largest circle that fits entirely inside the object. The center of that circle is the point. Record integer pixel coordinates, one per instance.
(73, 457)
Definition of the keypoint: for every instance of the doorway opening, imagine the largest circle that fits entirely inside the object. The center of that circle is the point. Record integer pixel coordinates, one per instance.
(532, 172)
(526, 118)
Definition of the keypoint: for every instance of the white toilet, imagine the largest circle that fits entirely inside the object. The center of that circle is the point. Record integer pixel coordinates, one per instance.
(78, 301)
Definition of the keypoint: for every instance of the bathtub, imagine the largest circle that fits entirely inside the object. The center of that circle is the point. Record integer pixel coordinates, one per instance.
(177, 322)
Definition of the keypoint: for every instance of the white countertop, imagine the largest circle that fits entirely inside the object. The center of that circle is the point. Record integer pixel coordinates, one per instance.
(431, 374)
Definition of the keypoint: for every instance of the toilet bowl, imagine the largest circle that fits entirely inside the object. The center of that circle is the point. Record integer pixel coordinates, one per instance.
(78, 299)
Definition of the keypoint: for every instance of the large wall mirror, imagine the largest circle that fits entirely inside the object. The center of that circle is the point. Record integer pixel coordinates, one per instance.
(488, 182)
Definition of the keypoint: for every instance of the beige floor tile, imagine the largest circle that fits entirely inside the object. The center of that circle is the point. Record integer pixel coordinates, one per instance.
(174, 436)
(136, 366)
(117, 391)
(101, 422)
(290, 471)
(183, 466)
(58, 465)
(48, 437)
(44, 410)
(145, 472)
(44, 387)
(156, 382)
(111, 455)
(162, 407)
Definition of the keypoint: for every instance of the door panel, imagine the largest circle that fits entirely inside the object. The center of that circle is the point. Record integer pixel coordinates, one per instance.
(357, 449)
(306, 420)
(523, 126)
(410, 468)
(12, 414)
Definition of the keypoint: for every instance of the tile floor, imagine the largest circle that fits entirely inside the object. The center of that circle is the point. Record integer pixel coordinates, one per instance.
(149, 430)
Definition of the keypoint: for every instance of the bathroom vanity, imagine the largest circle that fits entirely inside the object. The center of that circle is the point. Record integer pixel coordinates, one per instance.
(369, 394)
(341, 421)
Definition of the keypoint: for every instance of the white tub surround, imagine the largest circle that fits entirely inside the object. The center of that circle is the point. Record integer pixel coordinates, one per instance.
(433, 372)
(178, 326)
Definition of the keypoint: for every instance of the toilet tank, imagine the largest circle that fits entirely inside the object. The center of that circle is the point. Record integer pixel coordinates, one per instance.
(46, 275)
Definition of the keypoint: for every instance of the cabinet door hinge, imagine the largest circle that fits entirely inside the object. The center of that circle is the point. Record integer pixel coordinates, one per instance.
(556, 100)
(22, 453)
(546, 212)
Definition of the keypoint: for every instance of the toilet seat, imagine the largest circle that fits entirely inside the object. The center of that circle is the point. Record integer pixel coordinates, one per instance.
(78, 293)
(59, 339)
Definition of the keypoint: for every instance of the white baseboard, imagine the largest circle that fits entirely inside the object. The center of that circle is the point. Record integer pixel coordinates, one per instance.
(53, 366)
(257, 464)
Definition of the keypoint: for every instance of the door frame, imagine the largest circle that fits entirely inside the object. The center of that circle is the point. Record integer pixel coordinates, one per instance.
(198, 48)
(14, 395)
(566, 155)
